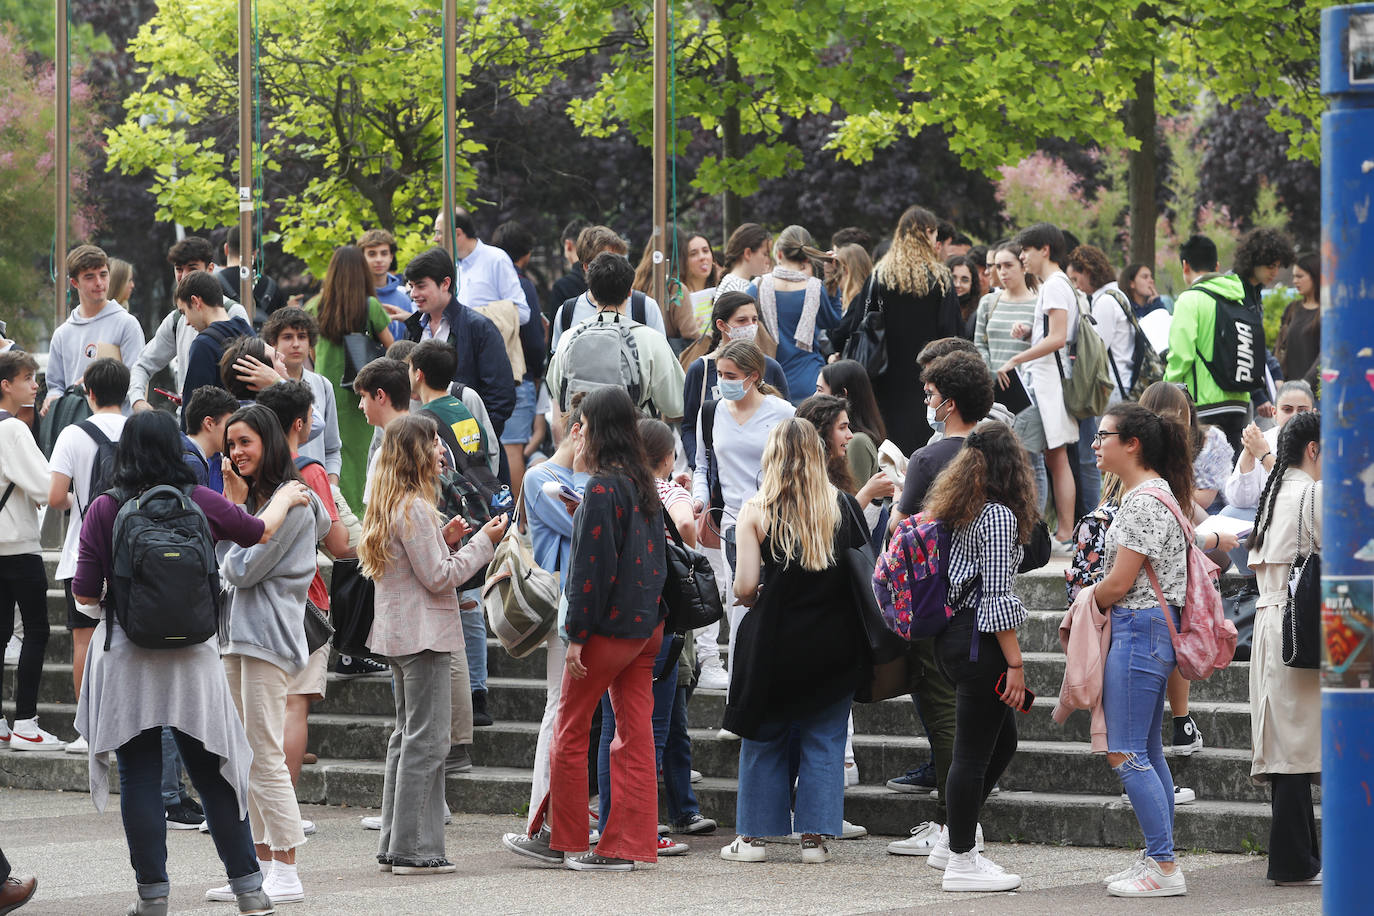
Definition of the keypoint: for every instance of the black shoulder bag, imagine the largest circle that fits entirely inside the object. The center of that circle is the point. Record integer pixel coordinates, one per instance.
(868, 344)
(1302, 615)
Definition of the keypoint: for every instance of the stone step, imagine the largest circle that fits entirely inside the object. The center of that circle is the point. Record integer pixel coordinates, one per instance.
(1042, 766)
(1025, 817)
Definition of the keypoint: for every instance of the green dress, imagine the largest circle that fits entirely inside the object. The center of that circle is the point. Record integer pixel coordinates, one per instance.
(354, 432)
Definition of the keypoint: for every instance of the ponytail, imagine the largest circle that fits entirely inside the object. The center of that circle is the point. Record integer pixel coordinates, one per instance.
(1164, 447)
(1298, 433)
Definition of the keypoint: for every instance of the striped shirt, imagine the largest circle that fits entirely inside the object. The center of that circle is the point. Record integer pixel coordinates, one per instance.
(983, 558)
(992, 332)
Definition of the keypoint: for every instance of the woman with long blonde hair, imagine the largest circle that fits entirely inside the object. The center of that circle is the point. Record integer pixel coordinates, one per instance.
(412, 556)
(801, 652)
(916, 294)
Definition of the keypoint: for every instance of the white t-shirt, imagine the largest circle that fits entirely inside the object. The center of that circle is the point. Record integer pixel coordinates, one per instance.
(1116, 332)
(1056, 293)
(73, 454)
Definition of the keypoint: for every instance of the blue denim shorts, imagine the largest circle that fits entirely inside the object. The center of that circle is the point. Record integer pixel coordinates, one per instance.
(520, 426)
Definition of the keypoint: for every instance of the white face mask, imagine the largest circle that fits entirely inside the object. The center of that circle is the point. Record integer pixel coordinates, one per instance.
(932, 418)
(742, 332)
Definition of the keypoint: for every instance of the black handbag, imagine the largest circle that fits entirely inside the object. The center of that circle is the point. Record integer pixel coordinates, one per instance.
(690, 591)
(318, 629)
(887, 652)
(1302, 615)
(868, 344)
(1037, 552)
(359, 350)
(351, 597)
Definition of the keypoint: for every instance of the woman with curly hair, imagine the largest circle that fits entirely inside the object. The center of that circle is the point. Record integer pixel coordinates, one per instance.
(916, 294)
(986, 497)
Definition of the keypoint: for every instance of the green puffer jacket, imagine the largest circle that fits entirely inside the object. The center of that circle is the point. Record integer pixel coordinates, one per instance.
(1191, 336)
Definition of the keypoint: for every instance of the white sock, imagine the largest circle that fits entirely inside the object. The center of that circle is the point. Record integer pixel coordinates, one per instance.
(284, 873)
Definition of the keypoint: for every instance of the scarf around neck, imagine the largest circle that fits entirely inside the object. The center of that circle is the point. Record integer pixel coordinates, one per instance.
(811, 303)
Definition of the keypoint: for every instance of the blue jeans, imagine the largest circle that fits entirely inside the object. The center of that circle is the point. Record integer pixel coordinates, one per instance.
(764, 806)
(474, 638)
(672, 747)
(1138, 666)
(173, 789)
(145, 819)
(1089, 477)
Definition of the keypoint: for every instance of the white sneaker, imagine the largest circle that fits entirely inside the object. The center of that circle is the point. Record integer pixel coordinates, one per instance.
(969, 871)
(713, 678)
(850, 831)
(12, 650)
(740, 851)
(939, 855)
(307, 827)
(372, 823)
(814, 852)
(726, 735)
(922, 841)
(4, 734)
(851, 774)
(283, 884)
(226, 894)
(27, 736)
(78, 746)
(1127, 872)
(695, 777)
(1149, 880)
(1314, 881)
(1182, 796)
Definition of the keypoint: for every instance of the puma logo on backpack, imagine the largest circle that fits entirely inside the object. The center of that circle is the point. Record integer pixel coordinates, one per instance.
(165, 589)
(1237, 362)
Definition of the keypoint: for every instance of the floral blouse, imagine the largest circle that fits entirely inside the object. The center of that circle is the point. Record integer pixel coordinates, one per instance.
(1145, 525)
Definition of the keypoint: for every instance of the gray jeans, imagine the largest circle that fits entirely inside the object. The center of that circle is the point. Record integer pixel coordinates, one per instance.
(413, 794)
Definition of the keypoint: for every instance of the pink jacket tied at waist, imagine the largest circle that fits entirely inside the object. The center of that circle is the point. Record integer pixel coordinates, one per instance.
(1086, 635)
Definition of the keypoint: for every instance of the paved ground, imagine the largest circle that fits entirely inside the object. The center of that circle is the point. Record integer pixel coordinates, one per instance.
(82, 866)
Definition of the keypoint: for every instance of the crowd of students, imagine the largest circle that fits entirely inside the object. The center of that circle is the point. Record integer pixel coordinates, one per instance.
(388, 418)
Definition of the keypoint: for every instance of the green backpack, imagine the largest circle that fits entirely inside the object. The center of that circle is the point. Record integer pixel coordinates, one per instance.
(1088, 391)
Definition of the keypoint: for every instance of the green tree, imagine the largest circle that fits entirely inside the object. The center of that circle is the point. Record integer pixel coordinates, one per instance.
(351, 112)
(28, 184)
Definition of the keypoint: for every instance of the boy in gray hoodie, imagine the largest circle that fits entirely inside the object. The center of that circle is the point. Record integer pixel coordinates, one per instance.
(95, 326)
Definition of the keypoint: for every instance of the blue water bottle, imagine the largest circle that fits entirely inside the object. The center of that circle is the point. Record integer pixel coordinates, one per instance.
(502, 502)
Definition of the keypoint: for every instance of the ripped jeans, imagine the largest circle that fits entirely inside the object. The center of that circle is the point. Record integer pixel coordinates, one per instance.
(1138, 666)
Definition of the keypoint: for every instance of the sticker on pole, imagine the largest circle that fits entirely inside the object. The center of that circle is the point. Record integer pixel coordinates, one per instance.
(245, 200)
(1361, 48)
(1348, 628)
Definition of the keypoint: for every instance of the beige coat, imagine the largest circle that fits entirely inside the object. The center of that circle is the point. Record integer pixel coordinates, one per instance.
(1285, 703)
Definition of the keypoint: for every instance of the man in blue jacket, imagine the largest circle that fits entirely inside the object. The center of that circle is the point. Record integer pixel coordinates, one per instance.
(482, 362)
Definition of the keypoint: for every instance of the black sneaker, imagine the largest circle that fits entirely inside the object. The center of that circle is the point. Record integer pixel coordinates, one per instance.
(916, 782)
(349, 666)
(180, 817)
(459, 760)
(695, 824)
(190, 804)
(1187, 738)
(480, 716)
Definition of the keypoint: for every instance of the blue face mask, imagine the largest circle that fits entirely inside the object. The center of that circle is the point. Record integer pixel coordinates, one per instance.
(732, 389)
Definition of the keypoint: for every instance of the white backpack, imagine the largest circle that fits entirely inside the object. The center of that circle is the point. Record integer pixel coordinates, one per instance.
(601, 354)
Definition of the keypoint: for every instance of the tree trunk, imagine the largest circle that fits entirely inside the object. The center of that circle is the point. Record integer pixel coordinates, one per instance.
(1140, 125)
(730, 149)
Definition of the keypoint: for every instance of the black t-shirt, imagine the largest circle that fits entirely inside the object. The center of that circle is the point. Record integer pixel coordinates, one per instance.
(925, 465)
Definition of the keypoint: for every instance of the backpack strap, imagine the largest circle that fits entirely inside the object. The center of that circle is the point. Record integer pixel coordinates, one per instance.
(565, 313)
(639, 310)
(100, 439)
(6, 498)
(708, 423)
(304, 461)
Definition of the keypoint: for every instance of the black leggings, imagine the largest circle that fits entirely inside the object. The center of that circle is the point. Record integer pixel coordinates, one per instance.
(1294, 849)
(984, 726)
(23, 581)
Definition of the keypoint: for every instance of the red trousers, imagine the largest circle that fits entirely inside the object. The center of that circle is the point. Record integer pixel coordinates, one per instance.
(625, 668)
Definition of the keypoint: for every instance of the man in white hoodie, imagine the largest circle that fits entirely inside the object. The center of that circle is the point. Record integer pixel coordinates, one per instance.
(23, 488)
(98, 326)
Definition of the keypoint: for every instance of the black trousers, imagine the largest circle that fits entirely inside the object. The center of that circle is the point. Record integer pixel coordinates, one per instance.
(1294, 847)
(4, 867)
(24, 582)
(984, 726)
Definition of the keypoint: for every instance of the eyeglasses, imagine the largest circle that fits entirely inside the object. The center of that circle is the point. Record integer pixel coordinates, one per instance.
(1102, 434)
(929, 395)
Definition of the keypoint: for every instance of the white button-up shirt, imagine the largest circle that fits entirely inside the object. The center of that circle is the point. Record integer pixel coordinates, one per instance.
(488, 274)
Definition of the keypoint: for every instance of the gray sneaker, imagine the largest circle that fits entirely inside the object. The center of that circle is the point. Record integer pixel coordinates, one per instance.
(255, 903)
(590, 861)
(534, 847)
(157, 906)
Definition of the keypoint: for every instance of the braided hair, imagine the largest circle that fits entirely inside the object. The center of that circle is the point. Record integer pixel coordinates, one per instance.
(1298, 433)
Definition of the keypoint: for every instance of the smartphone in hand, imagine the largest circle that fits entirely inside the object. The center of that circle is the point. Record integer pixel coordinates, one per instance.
(1026, 702)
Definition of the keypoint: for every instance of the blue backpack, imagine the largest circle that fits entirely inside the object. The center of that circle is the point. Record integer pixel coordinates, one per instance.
(911, 579)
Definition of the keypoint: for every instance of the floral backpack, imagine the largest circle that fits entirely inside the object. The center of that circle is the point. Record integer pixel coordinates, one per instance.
(1089, 549)
(911, 579)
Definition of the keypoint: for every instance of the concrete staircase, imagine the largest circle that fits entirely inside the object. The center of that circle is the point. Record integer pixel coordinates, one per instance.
(1055, 790)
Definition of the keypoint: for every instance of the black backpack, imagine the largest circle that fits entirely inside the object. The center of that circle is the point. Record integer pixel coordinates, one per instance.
(467, 491)
(1237, 362)
(164, 590)
(102, 467)
(71, 407)
(638, 310)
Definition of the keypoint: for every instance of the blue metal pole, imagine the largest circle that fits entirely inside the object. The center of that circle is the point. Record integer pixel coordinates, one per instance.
(1347, 79)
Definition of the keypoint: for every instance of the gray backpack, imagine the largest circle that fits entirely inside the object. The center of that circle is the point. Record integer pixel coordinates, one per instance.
(601, 354)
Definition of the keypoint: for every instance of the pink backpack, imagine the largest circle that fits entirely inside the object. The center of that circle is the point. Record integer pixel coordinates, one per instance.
(1205, 640)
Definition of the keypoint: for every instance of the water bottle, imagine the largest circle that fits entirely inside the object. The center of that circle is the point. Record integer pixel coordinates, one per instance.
(502, 502)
